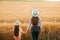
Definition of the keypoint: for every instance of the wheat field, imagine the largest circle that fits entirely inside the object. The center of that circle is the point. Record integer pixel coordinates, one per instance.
(10, 11)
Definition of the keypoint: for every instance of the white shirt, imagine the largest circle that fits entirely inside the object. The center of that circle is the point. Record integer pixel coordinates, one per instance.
(39, 23)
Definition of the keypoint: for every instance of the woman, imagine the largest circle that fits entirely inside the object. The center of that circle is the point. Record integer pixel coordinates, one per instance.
(17, 31)
(36, 24)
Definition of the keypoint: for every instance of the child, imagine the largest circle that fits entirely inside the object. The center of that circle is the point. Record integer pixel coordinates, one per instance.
(17, 31)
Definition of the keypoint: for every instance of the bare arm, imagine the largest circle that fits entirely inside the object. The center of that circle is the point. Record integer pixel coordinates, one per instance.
(40, 22)
(21, 30)
(29, 24)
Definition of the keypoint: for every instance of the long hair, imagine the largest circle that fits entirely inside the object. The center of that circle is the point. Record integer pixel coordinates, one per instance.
(16, 30)
(34, 21)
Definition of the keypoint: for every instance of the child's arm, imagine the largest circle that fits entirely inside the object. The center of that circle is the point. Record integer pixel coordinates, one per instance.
(22, 30)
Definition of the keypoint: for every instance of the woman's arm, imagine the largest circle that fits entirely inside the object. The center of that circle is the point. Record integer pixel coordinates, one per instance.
(29, 24)
(40, 22)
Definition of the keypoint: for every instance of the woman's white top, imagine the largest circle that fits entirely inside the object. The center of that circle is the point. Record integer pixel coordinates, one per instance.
(39, 23)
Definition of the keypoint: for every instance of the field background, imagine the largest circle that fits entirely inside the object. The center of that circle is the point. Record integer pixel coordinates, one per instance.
(24, 0)
(13, 10)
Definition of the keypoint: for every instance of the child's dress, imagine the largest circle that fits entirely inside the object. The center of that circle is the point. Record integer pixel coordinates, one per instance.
(19, 37)
(16, 38)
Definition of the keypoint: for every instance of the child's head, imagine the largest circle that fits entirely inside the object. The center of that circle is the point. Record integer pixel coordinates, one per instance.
(16, 28)
(17, 22)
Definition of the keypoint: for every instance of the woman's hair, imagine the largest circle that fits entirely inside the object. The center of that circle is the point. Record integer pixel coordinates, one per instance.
(34, 21)
(16, 30)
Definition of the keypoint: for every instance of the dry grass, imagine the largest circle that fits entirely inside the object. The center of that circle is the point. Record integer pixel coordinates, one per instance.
(11, 11)
(50, 31)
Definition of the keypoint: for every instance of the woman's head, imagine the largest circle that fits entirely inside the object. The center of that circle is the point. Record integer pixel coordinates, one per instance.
(35, 12)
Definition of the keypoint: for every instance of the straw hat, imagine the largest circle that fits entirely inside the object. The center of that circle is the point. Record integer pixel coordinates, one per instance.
(17, 22)
(35, 12)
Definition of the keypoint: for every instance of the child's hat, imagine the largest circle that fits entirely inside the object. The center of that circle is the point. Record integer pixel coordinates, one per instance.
(35, 12)
(17, 22)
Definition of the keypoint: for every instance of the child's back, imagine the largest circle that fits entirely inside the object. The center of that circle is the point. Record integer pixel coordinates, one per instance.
(16, 31)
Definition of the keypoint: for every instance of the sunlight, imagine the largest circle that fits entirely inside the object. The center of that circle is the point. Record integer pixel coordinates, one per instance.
(52, 0)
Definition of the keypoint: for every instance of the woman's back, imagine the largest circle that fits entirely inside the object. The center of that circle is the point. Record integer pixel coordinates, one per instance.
(34, 21)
